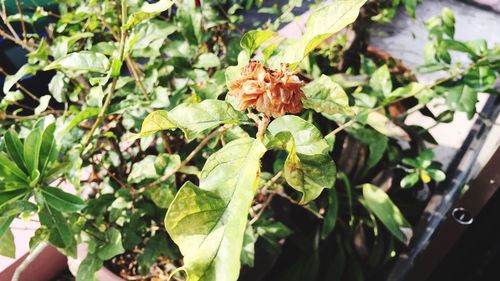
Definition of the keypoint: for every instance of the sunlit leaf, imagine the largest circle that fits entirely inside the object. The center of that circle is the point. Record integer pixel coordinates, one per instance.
(7, 245)
(308, 167)
(208, 222)
(61, 200)
(383, 208)
(254, 38)
(325, 96)
(84, 61)
(321, 24)
(192, 118)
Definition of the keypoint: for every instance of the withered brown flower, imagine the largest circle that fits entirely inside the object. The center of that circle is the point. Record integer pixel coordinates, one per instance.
(273, 92)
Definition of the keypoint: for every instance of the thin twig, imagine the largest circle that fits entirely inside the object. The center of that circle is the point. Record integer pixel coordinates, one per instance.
(191, 155)
(29, 259)
(109, 97)
(23, 26)
(435, 84)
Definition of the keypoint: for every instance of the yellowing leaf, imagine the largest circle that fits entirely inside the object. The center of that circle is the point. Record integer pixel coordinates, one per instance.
(322, 24)
(208, 222)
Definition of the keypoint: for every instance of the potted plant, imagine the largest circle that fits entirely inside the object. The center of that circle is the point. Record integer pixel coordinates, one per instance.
(200, 151)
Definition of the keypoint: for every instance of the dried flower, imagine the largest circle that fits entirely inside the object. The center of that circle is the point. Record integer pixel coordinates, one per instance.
(273, 92)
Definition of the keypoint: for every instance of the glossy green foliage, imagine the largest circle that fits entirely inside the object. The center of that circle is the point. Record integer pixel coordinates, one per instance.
(308, 167)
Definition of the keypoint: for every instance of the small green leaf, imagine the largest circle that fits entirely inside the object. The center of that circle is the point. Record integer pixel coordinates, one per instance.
(84, 61)
(321, 24)
(409, 180)
(327, 97)
(48, 151)
(377, 201)
(11, 80)
(5, 223)
(7, 196)
(44, 103)
(113, 245)
(7, 245)
(308, 167)
(330, 217)
(377, 143)
(207, 60)
(254, 38)
(148, 11)
(56, 87)
(436, 175)
(9, 168)
(61, 200)
(381, 81)
(32, 145)
(248, 251)
(462, 98)
(15, 149)
(89, 266)
(60, 234)
(385, 126)
(208, 222)
(192, 118)
(85, 114)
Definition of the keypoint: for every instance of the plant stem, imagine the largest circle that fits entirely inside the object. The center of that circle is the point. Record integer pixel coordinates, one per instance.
(262, 126)
(23, 26)
(191, 155)
(29, 259)
(435, 84)
(112, 88)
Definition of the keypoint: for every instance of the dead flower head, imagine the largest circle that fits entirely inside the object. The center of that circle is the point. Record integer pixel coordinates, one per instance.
(273, 92)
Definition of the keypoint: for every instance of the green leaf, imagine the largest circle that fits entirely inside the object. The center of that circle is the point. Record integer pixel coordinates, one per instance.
(308, 167)
(207, 60)
(208, 222)
(159, 244)
(409, 180)
(44, 103)
(381, 81)
(325, 96)
(89, 266)
(113, 245)
(7, 196)
(330, 217)
(17, 207)
(85, 114)
(377, 144)
(11, 80)
(9, 169)
(448, 21)
(7, 245)
(48, 151)
(32, 145)
(385, 126)
(148, 11)
(247, 256)
(436, 175)
(320, 25)
(254, 38)
(462, 98)
(15, 149)
(5, 223)
(84, 61)
(410, 7)
(61, 200)
(481, 78)
(377, 201)
(192, 118)
(60, 232)
(56, 87)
